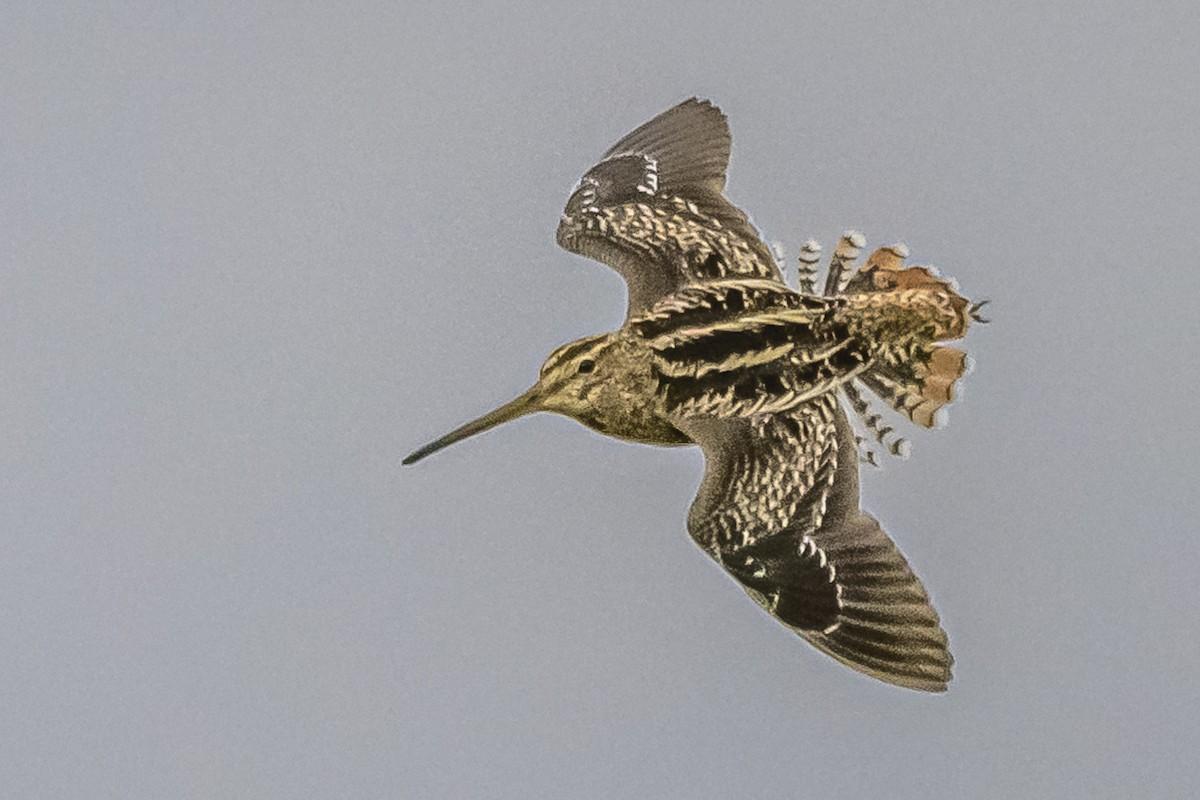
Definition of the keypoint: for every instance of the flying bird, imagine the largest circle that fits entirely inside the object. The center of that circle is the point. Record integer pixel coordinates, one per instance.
(717, 350)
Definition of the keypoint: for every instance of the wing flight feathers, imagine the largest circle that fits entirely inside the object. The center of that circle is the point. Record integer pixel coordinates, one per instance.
(654, 209)
(779, 509)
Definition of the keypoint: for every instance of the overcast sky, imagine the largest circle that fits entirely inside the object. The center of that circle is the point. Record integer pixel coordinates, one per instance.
(251, 256)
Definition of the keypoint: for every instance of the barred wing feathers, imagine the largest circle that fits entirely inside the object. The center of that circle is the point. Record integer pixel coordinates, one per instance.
(654, 209)
(779, 509)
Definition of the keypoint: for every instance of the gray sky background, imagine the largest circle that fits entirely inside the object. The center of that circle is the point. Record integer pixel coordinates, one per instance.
(251, 256)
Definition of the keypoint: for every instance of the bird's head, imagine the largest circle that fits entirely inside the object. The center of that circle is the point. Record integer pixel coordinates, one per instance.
(567, 384)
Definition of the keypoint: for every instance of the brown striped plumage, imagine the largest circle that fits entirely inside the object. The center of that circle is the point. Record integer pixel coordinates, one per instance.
(717, 350)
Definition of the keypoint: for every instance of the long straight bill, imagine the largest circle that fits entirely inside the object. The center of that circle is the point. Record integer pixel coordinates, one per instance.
(525, 404)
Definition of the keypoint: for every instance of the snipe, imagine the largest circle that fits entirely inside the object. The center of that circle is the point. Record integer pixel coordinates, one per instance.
(717, 350)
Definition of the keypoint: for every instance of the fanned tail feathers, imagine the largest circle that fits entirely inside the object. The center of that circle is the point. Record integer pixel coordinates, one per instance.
(914, 374)
(920, 387)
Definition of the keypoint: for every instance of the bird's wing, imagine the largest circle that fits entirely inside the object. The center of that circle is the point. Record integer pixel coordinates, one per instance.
(654, 208)
(779, 510)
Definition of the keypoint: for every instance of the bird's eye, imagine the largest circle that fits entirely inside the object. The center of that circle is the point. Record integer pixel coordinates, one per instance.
(586, 366)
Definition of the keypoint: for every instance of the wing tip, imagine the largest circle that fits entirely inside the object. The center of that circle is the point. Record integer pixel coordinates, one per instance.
(930, 672)
(691, 139)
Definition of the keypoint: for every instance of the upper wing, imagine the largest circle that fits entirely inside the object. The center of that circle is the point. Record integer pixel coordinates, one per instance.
(654, 208)
(779, 509)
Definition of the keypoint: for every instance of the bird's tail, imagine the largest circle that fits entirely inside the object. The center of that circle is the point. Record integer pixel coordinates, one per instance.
(919, 387)
(909, 312)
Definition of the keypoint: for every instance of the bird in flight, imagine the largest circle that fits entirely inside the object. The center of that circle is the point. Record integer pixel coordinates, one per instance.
(718, 351)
